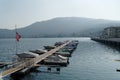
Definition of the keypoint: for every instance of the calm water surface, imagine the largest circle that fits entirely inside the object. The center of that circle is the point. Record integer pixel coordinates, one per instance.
(90, 61)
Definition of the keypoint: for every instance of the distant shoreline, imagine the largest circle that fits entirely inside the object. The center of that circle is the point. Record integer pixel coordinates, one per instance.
(48, 37)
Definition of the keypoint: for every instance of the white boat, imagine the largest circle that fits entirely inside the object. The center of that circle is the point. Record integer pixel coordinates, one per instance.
(39, 51)
(27, 55)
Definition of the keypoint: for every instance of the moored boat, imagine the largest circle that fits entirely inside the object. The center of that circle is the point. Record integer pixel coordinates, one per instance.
(65, 54)
(56, 60)
(49, 47)
(39, 51)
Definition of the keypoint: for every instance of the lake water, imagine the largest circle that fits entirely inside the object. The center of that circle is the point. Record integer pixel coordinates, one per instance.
(90, 61)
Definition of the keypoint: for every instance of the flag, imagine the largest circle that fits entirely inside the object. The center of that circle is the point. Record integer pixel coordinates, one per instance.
(18, 36)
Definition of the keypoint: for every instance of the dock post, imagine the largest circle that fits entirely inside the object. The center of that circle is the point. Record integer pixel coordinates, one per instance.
(58, 69)
(49, 69)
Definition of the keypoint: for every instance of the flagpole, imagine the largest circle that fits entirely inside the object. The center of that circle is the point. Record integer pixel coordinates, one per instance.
(18, 36)
(16, 40)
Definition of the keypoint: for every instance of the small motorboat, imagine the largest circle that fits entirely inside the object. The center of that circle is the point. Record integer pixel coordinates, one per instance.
(27, 55)
(49, 47)
(39, 51)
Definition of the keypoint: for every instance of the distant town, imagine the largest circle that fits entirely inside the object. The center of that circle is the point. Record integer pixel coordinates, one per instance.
(111, 32)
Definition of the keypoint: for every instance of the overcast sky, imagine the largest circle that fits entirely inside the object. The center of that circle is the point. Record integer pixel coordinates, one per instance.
(26, 12)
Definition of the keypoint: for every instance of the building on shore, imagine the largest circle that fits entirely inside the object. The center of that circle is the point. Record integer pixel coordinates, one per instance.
(111, 32)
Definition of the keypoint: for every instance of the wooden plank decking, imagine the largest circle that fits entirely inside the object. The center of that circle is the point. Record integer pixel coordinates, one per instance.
(31, 62)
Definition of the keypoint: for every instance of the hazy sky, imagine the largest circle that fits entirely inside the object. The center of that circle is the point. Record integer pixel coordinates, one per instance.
(25, 12)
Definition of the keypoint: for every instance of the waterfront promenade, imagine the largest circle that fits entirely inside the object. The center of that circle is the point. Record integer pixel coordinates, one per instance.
(109, 41)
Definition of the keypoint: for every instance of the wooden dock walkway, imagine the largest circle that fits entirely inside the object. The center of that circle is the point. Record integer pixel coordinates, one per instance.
(31, 62)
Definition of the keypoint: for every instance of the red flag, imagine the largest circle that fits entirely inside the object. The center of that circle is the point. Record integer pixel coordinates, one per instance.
(18, 36)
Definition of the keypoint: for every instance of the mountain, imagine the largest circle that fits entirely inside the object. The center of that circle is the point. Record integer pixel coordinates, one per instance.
(62, 26)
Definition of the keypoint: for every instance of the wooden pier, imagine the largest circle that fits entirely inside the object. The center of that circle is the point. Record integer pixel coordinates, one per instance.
(108, 41)
(32, 62)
